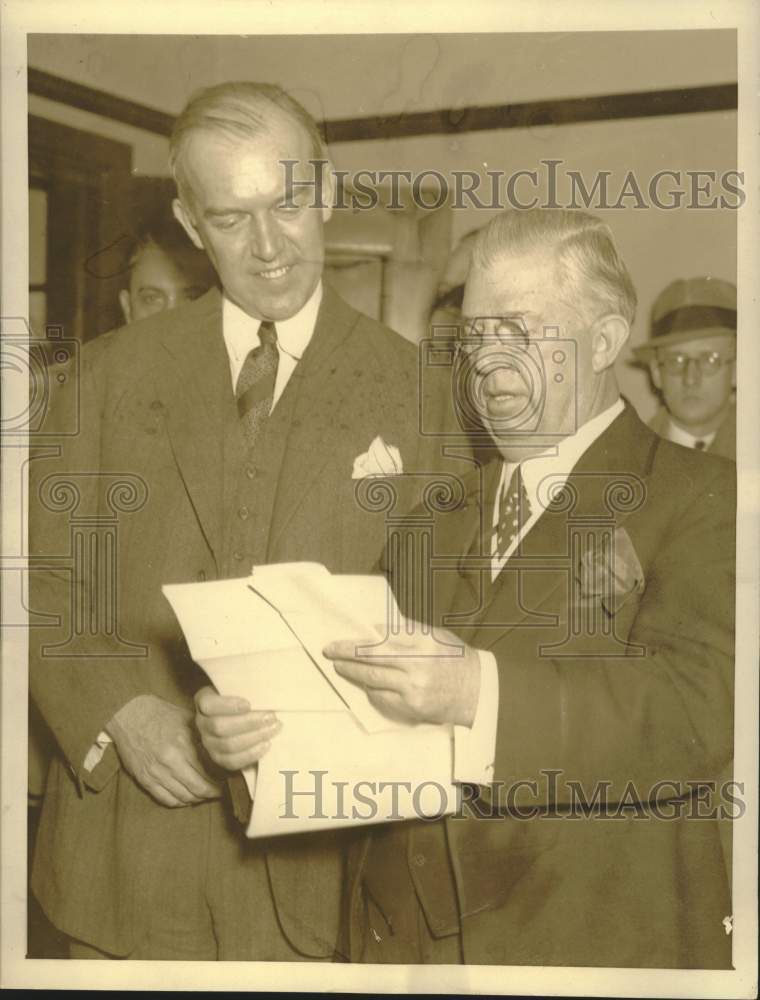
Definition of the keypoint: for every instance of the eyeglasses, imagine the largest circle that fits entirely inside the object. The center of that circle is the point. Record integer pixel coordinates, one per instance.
(708, 362)
(510, 330)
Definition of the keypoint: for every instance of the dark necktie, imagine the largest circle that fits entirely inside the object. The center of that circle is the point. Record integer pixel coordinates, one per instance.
(514, 511)
(255, 385)
(700, 445)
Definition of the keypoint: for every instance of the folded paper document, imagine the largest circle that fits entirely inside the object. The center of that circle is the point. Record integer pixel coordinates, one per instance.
(337, 761)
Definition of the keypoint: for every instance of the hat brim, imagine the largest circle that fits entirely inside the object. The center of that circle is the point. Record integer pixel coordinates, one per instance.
(645, 352)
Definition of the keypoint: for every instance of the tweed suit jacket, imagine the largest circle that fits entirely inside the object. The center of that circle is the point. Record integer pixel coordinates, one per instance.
(157, 415)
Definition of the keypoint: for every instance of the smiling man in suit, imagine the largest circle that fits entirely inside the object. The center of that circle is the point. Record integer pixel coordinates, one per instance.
(589, 577)
(237, 422)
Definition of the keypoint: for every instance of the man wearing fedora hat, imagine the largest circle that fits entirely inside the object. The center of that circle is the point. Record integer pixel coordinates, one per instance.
(692, 359)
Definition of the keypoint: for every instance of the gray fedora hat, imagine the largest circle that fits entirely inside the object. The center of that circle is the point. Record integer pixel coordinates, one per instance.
(687, 310)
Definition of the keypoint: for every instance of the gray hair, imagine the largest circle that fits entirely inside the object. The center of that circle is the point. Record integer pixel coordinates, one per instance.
(594, 280)
(240, 110)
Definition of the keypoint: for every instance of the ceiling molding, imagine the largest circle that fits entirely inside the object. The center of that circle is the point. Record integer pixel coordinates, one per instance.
(528, 114)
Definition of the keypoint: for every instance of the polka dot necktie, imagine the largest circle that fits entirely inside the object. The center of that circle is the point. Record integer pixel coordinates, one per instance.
(514, 511)
(255, 385)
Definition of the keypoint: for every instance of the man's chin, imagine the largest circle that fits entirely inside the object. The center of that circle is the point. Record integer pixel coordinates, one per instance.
(515, 445)
(277, 305)
(697, 416)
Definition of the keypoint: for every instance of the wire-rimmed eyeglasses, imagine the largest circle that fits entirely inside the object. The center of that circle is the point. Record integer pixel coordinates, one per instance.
(708, 362)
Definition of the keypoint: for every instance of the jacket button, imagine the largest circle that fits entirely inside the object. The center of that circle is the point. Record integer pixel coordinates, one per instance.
(250, 472)
(201, 575)
(237, 556)
(418, 860)
(243, 513)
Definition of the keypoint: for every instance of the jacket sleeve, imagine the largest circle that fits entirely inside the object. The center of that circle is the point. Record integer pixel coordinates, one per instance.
(664, 716)
(79, 673)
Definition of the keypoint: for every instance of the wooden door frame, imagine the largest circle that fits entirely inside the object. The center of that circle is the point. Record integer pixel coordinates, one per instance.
(87, 178)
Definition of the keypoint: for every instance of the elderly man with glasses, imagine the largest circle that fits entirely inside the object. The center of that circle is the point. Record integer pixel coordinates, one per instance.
(581, 596)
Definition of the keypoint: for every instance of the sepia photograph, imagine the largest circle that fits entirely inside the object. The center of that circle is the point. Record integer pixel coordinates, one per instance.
(380, 487)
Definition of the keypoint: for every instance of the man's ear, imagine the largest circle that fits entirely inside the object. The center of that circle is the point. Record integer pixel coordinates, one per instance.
(609, 335)
(185, 219)
(126, 305)
(654, 371)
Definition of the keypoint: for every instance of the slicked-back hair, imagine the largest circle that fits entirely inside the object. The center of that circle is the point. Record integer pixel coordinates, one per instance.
(593, 277)
(238, 110)
(165, 234)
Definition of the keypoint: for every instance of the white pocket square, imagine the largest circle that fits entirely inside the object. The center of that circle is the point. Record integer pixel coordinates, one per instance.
(380, 459)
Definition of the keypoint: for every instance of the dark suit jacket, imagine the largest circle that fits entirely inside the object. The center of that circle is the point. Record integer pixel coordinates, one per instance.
(157, 410)
(724, 442)
(618, 675)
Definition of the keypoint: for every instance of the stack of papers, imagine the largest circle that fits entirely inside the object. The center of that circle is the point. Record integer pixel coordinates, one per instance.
(337, 761)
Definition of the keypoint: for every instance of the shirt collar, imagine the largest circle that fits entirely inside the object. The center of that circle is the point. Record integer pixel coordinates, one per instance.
(680, 436)
(241, 331)
(562, 459)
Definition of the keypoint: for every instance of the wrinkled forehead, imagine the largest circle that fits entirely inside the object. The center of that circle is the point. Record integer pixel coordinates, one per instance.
(511, 283)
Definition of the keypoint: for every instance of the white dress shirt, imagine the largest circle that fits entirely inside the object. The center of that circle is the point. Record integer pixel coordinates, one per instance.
(475, 748)
(241, 335)
(557, 462)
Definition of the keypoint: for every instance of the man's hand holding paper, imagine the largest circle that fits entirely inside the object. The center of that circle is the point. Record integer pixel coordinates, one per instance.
(414, 678)
(233, 735)
(329, 716)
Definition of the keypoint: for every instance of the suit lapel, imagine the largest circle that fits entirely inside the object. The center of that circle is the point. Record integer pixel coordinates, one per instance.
(329, 369)
(539, 567)
(195, 391)
(469, 536)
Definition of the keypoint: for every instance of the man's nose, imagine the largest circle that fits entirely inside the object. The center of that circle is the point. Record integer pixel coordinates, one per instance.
(264, 238)
(692, 373)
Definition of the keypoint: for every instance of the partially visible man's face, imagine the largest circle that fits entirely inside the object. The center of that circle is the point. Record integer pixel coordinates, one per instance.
(536, 387)
(158, 282)
(697, 398)
(268, 255)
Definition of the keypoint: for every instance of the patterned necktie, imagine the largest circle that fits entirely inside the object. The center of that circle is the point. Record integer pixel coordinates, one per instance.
(514, 511)
(700, 445)
(255, 385)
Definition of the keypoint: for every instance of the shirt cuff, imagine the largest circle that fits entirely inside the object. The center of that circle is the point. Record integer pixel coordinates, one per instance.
(95, 753)
(475, 747)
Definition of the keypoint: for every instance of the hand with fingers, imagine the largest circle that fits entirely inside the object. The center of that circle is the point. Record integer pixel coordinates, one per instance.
(233, 736)
(415, 678)
(157, 744)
